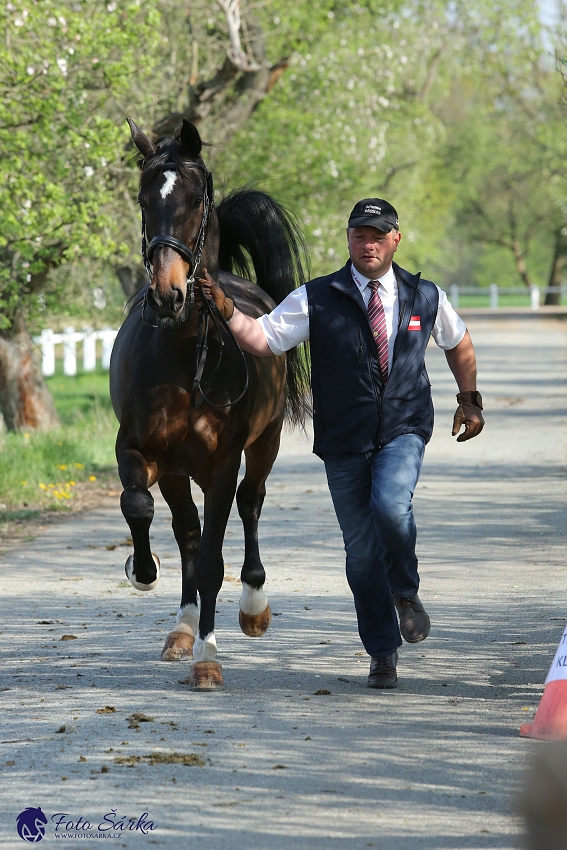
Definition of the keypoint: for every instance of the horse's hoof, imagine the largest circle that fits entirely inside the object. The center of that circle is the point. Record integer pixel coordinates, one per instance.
(206, 676)
(178, 646)
(130, 574)
(255, 625)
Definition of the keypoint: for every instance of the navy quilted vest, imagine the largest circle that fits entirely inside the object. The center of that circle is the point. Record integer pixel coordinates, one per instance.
(353, 410)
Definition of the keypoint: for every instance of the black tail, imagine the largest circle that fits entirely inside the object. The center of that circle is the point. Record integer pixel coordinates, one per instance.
(251, 221)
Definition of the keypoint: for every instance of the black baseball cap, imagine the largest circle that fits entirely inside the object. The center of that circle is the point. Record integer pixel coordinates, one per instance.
(374, 212)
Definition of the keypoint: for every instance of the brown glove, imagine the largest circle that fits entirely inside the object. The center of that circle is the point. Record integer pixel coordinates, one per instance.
(469, 414)
(212, 291)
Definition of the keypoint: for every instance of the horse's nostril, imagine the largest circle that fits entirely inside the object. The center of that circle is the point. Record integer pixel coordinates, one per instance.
(152, 299)
(178, 297)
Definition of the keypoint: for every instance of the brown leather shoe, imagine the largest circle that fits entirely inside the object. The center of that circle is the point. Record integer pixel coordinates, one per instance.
(383, 671)
(414, 622)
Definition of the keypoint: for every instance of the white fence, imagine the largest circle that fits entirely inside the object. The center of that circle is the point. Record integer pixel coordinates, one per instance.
(495, 292)
(69, 339)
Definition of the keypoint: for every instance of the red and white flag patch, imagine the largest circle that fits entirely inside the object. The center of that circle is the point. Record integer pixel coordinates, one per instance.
(414, 324)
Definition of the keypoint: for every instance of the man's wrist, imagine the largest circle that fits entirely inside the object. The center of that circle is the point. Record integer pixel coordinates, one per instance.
(470, 397)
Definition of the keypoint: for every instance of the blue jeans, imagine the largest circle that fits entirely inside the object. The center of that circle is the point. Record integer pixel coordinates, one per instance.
(372, 494)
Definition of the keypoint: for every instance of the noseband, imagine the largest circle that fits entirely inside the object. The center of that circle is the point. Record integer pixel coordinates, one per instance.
(192, 257)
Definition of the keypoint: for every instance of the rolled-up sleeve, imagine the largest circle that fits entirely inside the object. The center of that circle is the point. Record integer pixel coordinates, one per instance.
(449, 329)
(288, 324)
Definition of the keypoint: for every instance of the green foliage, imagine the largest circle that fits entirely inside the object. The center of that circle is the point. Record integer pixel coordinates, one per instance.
(67, 70)
(435, 106)
(43, 469)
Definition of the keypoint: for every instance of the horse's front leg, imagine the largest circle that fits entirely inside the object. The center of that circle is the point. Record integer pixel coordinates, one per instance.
(255, 613)
(206, 672)
(137, 504)
(176, 490)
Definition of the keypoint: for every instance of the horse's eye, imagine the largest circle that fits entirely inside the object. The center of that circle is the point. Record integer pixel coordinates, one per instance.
(197, 202)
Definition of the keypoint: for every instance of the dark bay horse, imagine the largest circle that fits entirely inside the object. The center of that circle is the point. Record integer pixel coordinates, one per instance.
(176, 423)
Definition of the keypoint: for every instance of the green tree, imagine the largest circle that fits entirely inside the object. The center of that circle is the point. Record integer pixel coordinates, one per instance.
(66, 69)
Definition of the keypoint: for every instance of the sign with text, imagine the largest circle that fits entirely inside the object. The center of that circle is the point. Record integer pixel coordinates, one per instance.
(558, 669)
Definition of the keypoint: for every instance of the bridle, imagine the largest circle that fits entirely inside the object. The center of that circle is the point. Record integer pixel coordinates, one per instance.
(193, 258)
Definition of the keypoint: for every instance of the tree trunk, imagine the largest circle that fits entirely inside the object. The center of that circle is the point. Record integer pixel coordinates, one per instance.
(521, 263)
(25, 400)
(132, 279)
(558, 271)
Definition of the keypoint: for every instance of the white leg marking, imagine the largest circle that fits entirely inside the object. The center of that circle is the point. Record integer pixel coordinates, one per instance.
(187, 620)
(137, 584)
(205, 650)
(170, 179)
(253, 600)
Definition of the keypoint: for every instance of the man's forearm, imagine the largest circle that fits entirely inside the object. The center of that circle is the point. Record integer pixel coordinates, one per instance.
(462, 363)
(249, 334)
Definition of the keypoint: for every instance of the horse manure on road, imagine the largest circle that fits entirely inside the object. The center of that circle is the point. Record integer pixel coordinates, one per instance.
(189, 759)
(136, 718)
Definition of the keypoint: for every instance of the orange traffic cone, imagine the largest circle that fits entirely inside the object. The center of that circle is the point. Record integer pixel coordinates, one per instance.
(550, 722)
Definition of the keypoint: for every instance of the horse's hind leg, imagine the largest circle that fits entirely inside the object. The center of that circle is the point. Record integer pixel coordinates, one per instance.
(137, 504)
(176, 490)
(255, 613)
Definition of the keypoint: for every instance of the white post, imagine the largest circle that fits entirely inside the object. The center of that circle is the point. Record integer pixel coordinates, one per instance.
(493, 296)
(535, 296)
(89, 350)
(107, 336)
(454, 290)
(47, 351)
(69, 352)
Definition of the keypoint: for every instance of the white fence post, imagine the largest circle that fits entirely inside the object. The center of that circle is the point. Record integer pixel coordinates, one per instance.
(69, 352)
(47, 342)
(107, 335)
(454, 294)
(89, 350)
(535, 297)
(493, 296)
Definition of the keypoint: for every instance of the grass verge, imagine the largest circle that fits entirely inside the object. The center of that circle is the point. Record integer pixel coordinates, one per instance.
(70, 467)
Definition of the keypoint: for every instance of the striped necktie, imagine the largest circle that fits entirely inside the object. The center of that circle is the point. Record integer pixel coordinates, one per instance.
(378, 324)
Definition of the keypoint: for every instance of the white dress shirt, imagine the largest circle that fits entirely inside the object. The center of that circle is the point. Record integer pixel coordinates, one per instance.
(288, 324)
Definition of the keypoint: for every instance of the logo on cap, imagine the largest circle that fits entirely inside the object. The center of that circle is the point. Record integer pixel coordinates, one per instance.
(369, 208)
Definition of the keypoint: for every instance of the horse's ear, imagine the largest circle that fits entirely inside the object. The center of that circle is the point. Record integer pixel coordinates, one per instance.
(190, 139)
(144, 145)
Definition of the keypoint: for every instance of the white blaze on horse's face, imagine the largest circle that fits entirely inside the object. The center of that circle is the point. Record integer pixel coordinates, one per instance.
(169, 183)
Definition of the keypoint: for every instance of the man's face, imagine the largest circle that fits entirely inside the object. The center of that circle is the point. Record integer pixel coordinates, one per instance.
(371, 250)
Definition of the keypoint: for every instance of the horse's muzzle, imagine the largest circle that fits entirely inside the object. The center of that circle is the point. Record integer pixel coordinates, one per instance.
(168, 305)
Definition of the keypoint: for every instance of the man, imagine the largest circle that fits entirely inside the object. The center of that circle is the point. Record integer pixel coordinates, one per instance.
(368, 325)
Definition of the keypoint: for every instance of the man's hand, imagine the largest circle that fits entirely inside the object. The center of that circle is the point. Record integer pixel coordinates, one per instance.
(469, 414)
(212, 292)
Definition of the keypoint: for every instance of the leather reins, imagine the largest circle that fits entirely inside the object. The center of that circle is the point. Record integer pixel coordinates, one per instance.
(193, 258)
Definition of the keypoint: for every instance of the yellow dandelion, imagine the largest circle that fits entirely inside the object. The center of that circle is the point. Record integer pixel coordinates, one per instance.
(71, 484)
(43, 487)
(79, 465)
(24, 483)
(92, 477)
(61, 466)
(51, 486)
(26, 436)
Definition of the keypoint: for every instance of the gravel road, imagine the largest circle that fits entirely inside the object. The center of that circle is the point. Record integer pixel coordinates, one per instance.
(269, 763)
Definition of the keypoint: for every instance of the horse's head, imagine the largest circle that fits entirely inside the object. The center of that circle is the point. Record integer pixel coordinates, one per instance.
(176, 197)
